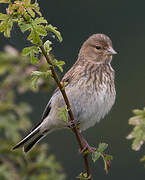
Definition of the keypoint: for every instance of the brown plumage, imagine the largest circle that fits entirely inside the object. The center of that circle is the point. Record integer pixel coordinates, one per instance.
(90, 90)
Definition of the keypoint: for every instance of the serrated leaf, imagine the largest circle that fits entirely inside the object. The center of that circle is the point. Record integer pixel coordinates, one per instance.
(96, 156)
(107, 161)
(36, 39)
(30, 37)
(47, 46)
(102, 147)
(138, 132)
(139, 139)
(135, 120)
(25, 26)
(38, 74)
(36, 9)
(54, 30)
(137, 111)
(27, 2)
(39, 20)
(34, 82)
(27, 50)
(6, 27)
(63, 113)
(34, 59)
(31, 12)
(41, 74)
(2, 26)
(40, 30)
(100, 153)
(59, 64)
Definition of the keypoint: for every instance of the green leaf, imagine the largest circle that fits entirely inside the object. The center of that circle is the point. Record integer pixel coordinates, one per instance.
(63, 113)
(59, 64)
(37, 8)
(27, 2)
(135, 120)
(100, 153)
(5, 1)
(138, 112)
(34, 82)
(30, 37)
(54, 30)
(41, 74)
(6, 26)
(27, 50)
(9, 27)
(41, 30)
(36, 39)
(34, 59)
(138, 132)
(102, 147)
(96, 156)
(2, 26)
(39, 20)
(47, 46)
(107, 161)
(3, 16)
(31, 12)
(32, 50)
(38, 74)
(25, 26)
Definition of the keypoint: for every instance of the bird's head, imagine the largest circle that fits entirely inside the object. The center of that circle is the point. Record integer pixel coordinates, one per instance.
(98, 48)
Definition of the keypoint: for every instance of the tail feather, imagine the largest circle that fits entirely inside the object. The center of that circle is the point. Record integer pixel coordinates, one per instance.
(29, 141)
(28, 146)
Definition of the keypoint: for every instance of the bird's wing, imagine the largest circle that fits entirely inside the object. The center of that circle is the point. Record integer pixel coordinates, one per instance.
(44, 115)
(68, 78)
(46, 111)
(48, 106)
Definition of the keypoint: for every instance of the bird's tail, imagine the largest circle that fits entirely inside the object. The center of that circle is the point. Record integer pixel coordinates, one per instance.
(30, 140)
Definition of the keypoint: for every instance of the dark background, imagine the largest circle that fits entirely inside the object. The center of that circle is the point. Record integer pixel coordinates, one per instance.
(124, 23)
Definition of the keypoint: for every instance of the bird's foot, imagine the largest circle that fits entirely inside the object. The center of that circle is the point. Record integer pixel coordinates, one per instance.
(73, 123)
(87, 148)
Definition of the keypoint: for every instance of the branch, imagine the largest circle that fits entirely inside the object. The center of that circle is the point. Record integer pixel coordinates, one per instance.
(25, 13)
(62, 89)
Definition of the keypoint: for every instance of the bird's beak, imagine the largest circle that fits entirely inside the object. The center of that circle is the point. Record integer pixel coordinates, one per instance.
(111, 51)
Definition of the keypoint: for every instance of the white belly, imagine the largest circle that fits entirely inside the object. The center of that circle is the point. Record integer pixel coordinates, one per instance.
(93, 106)
(88, 105)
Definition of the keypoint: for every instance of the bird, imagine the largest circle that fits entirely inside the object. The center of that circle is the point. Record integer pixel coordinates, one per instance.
(90, 89)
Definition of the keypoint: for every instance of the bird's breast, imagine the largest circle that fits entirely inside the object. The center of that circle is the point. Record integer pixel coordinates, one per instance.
(91, 101)
(90, 98)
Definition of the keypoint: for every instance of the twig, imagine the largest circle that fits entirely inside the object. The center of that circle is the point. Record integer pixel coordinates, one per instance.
(62, 89)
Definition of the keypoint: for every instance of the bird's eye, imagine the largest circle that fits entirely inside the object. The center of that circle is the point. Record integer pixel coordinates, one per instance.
(98, 47)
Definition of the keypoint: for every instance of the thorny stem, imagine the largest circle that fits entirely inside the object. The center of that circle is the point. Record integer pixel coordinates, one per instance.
(62, 89)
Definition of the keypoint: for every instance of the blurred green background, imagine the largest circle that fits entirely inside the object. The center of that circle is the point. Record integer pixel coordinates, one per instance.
(124, 23)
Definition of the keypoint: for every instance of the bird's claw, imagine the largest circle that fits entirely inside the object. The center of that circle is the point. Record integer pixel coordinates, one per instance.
(73, 123)
(87, 149)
